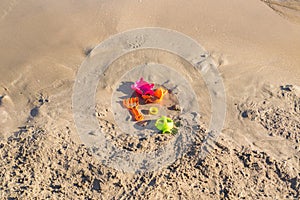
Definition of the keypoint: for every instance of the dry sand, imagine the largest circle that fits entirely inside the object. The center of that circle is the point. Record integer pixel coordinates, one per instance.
(256, 46)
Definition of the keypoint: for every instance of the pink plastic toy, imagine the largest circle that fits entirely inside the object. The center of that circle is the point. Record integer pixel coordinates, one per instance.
(142, 87)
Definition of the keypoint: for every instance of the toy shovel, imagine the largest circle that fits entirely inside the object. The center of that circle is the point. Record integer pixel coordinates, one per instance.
(132, 104)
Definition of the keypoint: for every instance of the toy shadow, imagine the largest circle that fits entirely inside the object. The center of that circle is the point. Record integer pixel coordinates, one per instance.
(145, 125)
(125, 88)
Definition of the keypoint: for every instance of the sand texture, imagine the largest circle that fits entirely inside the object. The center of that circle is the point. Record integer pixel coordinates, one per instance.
(255, 47)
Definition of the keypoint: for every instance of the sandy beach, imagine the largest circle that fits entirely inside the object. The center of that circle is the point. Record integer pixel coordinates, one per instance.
(254, 47)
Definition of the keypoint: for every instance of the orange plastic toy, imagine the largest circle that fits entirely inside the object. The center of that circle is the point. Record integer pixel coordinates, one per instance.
(157, 97)
(132, 104)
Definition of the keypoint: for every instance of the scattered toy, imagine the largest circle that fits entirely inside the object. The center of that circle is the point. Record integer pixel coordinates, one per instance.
(156, 97)
(143, 87)
(165, 124)
(153, 110)
(132, 105)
